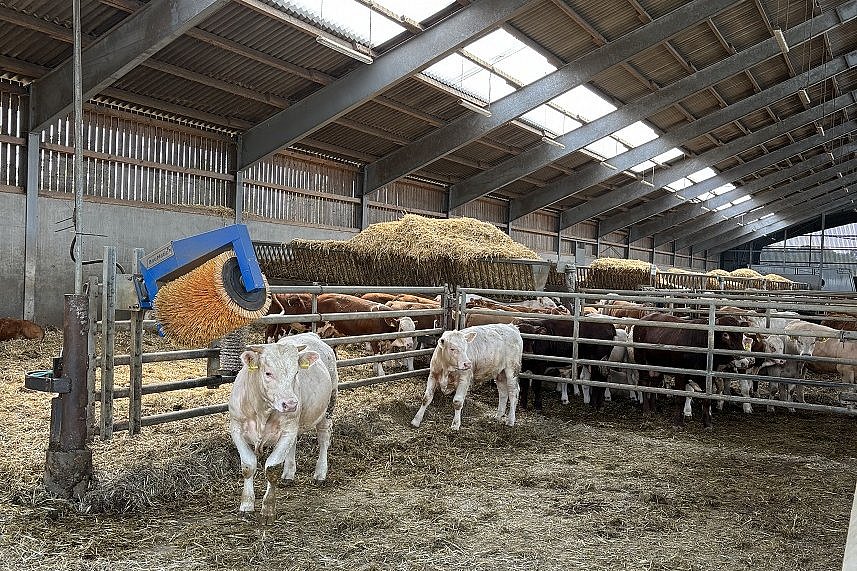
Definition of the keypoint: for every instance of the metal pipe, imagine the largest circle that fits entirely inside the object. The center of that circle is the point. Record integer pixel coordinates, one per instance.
(68, 462)
(353, 290)
(78, 150)
(164, 356)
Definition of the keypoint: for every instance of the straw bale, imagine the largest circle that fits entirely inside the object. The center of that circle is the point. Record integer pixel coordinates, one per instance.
(745, 273)
(460, 239)
(617, 273)
(777, 278)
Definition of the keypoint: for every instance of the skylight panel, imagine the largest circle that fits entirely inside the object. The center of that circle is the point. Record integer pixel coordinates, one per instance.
(549, 119)
(702, 175)
(680, 184)
(588, 105)
(724, 206)
(607, 147)
(636, 134)
(768, 215)
(717, 191)
(741, 199)
(644, 166)
(352, 17)
(705, 196)
(512, 57)
(418, 11)
(467, 76)
(673, 153)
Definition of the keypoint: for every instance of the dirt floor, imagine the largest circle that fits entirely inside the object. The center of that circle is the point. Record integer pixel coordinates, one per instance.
(567, 490)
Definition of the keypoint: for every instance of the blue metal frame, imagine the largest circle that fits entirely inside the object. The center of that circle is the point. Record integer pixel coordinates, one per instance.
(181, 256)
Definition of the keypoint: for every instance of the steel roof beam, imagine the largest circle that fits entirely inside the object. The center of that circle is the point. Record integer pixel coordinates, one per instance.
(365, 82)
(769, 202)
(757, 192)
(691, 232)
(689, 166)
(117, 52)
(472, 126)
(826, 208)
(629, 192)
(728, 176)
(540, 156)
(597, 173)
(785, 210)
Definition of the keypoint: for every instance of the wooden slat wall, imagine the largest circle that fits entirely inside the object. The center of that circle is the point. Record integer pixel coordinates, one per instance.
(142, 160)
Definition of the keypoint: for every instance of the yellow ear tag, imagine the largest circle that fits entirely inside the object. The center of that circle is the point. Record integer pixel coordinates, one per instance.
(253, 367)
(303, 363)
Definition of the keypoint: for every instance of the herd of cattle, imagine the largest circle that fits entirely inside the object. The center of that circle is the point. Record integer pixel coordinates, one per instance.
(289, 384)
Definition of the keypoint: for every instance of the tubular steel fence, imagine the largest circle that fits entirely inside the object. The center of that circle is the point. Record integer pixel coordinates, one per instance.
(102, 393)
(813, 307)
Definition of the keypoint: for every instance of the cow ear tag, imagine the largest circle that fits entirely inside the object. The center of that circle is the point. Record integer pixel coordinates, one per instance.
(303, 363)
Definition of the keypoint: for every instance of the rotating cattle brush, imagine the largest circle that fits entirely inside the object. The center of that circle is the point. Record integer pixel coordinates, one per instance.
(204, 286)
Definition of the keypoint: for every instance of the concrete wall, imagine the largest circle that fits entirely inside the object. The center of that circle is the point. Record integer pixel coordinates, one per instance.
(124, 226)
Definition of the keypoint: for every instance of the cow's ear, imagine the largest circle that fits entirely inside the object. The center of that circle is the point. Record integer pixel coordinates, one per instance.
(251, 358)
(307, 358)
(300, 347)
(470, 336)
(392, 321)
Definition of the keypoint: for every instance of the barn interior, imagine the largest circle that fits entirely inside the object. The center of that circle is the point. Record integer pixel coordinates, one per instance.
(687, 134)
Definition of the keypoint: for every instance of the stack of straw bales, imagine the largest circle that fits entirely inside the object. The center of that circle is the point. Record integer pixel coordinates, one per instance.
(416, 251)
(616, 273)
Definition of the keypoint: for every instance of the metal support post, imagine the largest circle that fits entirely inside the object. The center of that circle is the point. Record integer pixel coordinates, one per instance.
(135, 376)
(238, 191)
(31, 235)
(108, 340)
(92, 358)
(364, 199)
(314, 310)
(78, 151)
(709, 355)
(821, 253)
(68, 462)
(575, 345)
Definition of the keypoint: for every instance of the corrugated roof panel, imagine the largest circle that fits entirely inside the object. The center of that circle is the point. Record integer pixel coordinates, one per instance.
(193, 95)
(742, 25)
(735, 88)
(700, 103)
(621, 84)
(660, 65)
(668, 118)
(484, 153)
(343, 136)
(553, 29)
(623, 18)
(392, 120)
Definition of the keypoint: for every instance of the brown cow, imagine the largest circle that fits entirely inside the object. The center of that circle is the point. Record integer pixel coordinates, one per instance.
(385, 297)
(19, 329)
(683, 338)
(342, 303)
(841, 321)
(288, 304)
(620, 308)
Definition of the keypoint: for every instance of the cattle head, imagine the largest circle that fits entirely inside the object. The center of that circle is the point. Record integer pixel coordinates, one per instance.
(406, 324)
(271, 369)
(453, 347)
(767, 344)
(800, 345)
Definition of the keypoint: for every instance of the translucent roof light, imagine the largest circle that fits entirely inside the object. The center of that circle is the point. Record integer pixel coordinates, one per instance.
(702, 175)
(509, 55)
(418, 11)
(607, 147)
(350, 16)
(741, 199)
(673, 153)
(636, 134)
(469, 77)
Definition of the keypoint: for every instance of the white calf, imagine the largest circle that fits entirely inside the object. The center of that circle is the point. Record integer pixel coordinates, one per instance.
(475, 353)
(281, 390)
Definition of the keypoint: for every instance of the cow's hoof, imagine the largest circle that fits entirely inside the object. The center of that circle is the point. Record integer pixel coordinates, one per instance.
(245, 514)
(320, 482)
(415, 424)
(266, 518)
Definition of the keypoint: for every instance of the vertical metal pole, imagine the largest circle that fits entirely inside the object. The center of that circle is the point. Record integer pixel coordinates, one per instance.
(135, 379)
(78, 153)
(68, 462)
(108, 340)
(92, 358)
(462, 307)
(821, 253)
(597, 238)
(314, 309)
(31, 232)
(575, 337)
(238, 197)
(364, 198)
(709, 355)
